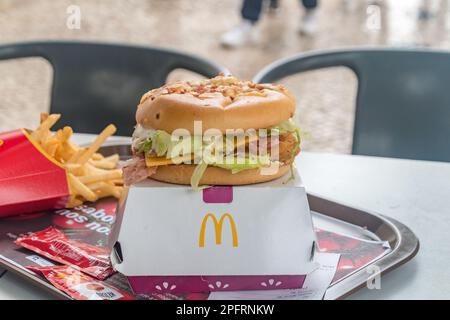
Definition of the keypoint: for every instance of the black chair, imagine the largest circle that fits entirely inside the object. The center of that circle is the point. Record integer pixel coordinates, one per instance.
(403, 102)
(95, 84)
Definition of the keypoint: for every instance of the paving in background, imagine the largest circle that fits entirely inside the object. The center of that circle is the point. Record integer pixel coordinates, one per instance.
(326, 98)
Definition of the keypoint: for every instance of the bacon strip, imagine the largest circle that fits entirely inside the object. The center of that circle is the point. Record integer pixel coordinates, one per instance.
(135, 171)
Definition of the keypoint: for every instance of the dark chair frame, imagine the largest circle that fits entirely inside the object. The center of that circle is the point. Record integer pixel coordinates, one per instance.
(403, 100)
(98, 83)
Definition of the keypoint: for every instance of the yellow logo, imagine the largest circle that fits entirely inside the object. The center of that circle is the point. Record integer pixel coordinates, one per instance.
(218, 226)
(1, 142)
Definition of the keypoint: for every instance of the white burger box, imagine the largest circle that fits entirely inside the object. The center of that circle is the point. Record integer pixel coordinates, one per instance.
(174, 239)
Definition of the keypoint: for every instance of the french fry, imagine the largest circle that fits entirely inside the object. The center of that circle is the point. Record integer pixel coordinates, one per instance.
(74, 202)
(116, 192)
(63, 135)
(96, 185)
(93, 170)
(43, 116)
(64, 154)
(109, 175)
(49, 122)
(103, 164)
(105, 134)
(103, 189)
(67, 132)
(81, 189)
(51, 149)
(117, 182)
(73, 146)
(45, 126)
(114, 158)
(97, 156)
(72, 166)
(90, 175)
(75, 169)
(67, 151)
(74, 158)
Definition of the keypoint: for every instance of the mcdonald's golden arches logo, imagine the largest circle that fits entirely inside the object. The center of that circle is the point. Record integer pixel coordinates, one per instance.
(218, 226)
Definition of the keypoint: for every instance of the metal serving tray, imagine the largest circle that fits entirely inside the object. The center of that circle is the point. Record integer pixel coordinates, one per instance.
(327, 215)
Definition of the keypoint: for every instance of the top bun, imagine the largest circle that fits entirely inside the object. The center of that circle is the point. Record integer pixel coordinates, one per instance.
(221, 103)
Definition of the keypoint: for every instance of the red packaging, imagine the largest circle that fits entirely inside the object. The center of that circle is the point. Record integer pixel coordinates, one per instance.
(53, 244)
(30, 181)
(78, 285)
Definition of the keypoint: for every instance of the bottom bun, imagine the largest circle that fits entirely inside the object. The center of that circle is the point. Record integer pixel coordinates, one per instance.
(181, 174)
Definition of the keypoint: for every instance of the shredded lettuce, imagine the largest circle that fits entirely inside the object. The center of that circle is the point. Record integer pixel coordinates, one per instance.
(236, 167)
(285, 127)
(144, 146)
(187, 145)
(197, 175)
(246, 163)
(289, 126)
(291, 174)
(298, 137)
(161, 142)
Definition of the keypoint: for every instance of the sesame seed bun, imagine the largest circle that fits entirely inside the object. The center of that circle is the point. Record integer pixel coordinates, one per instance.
(221, 103)
(181, 174)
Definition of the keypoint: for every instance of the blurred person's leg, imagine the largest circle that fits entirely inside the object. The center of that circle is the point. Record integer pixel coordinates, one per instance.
(244, 33)
(251, 10)
(425, 11)
(309, 23)
(274, 5)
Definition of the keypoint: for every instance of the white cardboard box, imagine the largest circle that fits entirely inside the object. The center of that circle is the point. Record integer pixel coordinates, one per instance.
(169, 238)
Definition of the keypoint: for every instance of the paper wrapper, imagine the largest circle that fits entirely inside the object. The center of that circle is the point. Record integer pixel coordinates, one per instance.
(78, 285)
(30, 181)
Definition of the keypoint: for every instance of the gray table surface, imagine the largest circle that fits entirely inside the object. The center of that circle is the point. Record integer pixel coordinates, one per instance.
(416, 193)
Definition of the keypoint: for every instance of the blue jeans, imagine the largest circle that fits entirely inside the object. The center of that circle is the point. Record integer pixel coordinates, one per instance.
(251, 9)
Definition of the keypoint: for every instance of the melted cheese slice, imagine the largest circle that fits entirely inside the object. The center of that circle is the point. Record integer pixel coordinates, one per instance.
(163, 161)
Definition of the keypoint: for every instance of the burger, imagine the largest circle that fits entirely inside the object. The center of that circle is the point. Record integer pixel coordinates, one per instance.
(168, 146)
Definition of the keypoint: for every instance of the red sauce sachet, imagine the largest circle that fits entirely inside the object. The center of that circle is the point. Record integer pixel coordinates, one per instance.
(78, 285)
(54, 244)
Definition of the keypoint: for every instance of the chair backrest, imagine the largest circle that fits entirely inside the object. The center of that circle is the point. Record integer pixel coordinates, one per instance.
(95, 84)
(403, 102)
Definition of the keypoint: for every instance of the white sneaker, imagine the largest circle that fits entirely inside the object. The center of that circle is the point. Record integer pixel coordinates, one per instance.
(242, 34)
(309, 23)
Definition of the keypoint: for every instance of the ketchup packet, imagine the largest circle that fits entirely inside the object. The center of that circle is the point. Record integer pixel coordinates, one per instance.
(53, 244)
(78, 285)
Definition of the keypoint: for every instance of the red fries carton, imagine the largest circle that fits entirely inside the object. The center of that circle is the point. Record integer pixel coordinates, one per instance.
(44, 170)
(30, 180)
